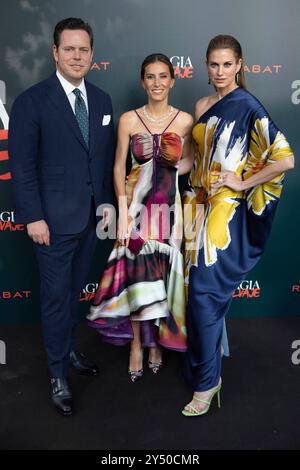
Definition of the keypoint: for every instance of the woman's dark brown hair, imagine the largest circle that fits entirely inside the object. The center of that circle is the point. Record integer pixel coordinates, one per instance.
(152, 58)
(223, 41)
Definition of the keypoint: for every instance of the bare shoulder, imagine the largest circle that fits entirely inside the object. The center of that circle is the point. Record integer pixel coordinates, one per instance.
(128, 117)
(187, 122)
(202, 105)
(127, 121)
(186, 118)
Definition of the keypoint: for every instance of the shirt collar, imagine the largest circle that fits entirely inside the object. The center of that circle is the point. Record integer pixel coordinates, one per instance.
(68, 87)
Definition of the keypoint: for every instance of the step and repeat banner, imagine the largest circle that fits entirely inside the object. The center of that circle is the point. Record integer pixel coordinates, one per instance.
(125, 32)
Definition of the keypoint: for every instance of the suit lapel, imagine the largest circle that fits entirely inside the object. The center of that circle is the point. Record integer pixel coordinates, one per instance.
(60, 100)
(94, 116)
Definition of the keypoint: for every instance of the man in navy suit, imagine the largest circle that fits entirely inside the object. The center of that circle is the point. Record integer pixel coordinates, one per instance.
(61, 147)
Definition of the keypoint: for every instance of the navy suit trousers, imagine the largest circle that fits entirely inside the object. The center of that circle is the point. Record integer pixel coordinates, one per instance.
(64, 267)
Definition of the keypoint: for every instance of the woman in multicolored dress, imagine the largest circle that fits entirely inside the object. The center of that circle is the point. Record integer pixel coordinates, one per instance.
(233, 192)
(140, 298)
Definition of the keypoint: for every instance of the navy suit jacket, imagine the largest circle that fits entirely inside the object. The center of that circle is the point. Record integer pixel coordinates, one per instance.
(54, 174)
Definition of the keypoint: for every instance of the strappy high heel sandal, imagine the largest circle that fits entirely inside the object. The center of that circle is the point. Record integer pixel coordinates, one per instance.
(155, 367)
(134, 375)
(195, 412)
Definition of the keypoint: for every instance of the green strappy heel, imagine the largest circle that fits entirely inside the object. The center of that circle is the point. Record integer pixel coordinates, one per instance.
(195, 412)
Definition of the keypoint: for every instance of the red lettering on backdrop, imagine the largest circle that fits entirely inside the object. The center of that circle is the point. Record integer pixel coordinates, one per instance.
(185, 72)
(86, 296)
(267, 69)
(7, 225)
(100, 65)
(256, 68)
(15, 295)
(4, 154)
(249, 293)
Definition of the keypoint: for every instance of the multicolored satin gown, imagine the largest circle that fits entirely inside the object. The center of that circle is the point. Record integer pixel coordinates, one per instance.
(225, 230)
(148, 286)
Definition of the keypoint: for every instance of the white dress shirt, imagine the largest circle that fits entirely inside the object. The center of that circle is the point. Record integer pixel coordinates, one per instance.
(68, 87)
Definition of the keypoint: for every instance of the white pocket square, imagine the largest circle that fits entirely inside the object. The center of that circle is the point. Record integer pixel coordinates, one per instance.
(106, 119)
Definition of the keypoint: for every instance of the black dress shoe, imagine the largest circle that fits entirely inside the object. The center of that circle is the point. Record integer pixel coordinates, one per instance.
(61, 396)
(82, 364)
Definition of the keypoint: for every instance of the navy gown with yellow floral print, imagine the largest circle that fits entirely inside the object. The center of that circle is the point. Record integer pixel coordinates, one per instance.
(225, 230)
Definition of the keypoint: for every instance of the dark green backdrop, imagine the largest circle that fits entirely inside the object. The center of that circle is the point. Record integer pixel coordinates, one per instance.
(125, 32)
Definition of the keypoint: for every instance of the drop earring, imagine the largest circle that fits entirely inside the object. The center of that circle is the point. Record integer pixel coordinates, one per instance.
(209, 82)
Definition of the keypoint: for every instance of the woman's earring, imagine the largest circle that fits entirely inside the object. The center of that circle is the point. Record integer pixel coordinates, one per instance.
(209, 82)
(237, 78)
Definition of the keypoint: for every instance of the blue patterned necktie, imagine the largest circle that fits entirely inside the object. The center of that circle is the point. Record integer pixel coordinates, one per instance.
(82, 115)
